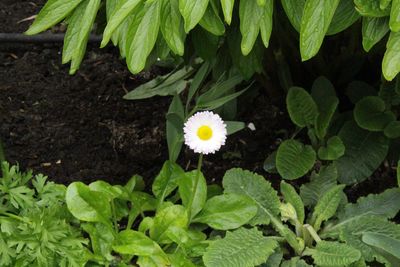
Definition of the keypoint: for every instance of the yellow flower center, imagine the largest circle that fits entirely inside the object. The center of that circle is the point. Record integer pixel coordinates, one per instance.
(204, 133)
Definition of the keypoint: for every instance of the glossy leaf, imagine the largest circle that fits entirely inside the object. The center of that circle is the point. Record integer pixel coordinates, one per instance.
(302, 108)
(227, 8)
(395, 16)
(294, 11)
(267, 22)
(371, 8)
(174, 125)
(212, 22)
(345, 16)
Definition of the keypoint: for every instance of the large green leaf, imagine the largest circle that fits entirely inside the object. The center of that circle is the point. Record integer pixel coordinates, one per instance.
(292, 197)
(246, 183)
(228, 211)
(371, 8)
(145, 37)
(186, 187)
(294, 11)
(345, 15)
(373, 30)
(382, 241)
(294, 159)
(250, 14)
(395, 16)
(266, 22)
(240, 248)
(52, 13)
(391, 59)
(192, 12)
(328, 253)
(167, 180)
(172, 26)
(302, 108)
(212, 22)
(227, 8)
(317, 17)
(360, 160)
(371, 114)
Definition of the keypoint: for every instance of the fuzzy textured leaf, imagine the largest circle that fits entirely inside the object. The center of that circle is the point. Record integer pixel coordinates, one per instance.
(301, 107)
(333, 254)
(291, 196)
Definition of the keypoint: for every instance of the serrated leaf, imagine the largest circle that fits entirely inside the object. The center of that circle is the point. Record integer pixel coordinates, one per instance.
(228, 211)
(317, 16)
(167, 180)
(334, 149)
(227, 8)
(246, 183)
(241, 248)
(370, 113)
(327, 206)
(291, 196)
(373, 30)
(391, 59)
(172, 26)
(334, 254)
(294, 11)
(250, 14)
(345, 15)
(371, 8)
(359, 160)
(294, 159)
(395, 16)
(52, 13)
(192, 12)
(301, 107)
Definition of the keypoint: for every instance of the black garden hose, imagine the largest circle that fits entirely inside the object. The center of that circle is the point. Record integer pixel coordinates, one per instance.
(40, 38)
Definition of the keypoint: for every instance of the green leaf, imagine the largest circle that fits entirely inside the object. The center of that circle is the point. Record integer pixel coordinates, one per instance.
(172, 26)
(174, 125)
(172, 216)
(52, 13)
(371, 8)
(291, 196)
(120, 13)
(234, 126)
(370, 113)
(266, 22)
(212, 22)
(254, 186)
(391, 59)
(167, 180)
(294, 11)
(294, 159)
(240, 248)
(145, 37)
(360, 160)
(101, 238)
(392, 130)
(270, 163)
(186, 187)
(328, 253)
(228, 211)
(250, 14)
(382, 241)
(398, 173)
(227, 8)
(384, 3)
(192, 12)
(334, 149)
(302, 109)
(395, 16)
(345, 16)
(110, 191)
(87, 205)
(373, 30)
(317, 16)
(294, 262)
(205, 43)
(327, 206)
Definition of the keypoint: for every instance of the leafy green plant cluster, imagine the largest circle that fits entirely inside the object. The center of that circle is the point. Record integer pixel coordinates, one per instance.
(234, 32)
(245, 223)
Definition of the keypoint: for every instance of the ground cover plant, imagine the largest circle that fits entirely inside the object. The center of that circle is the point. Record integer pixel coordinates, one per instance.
(214, 60)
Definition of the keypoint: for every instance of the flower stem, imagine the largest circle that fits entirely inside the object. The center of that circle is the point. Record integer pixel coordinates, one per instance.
(196, 183)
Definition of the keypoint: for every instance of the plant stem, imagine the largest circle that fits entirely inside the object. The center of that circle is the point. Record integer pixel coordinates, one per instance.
(196, 182)
(312, 232)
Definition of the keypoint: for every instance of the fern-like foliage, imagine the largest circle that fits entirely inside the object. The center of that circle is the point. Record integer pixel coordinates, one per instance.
(241, 248)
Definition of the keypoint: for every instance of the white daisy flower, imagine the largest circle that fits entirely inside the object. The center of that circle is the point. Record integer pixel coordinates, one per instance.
(205, 132)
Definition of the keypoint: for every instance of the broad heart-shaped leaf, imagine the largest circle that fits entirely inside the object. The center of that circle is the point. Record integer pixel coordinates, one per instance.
(192, 12)
(186, 187)
(327, 206)
(360, 160)
(370, 8)
(294, 159)
(334, 149)
(373, 30)
(228, 211)
(294, 11)
(172, 26)
(250, 14)
(291, 196)
(246, 183)
(370, 114)
(345, 15)
(145, 37)
(391, 59)
(87, 205)
(317, 16)
(382, 241)
(266, 22)
(395, 16)
(240, 248)
(328, 253)
(131, 242)
(301, 107)
(167, 180)
(392, 130)
(320, 183)
(172, 216)
(227, 8)
(52, 13)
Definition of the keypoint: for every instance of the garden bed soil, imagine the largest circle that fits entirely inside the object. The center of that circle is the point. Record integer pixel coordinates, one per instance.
(79, 127)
